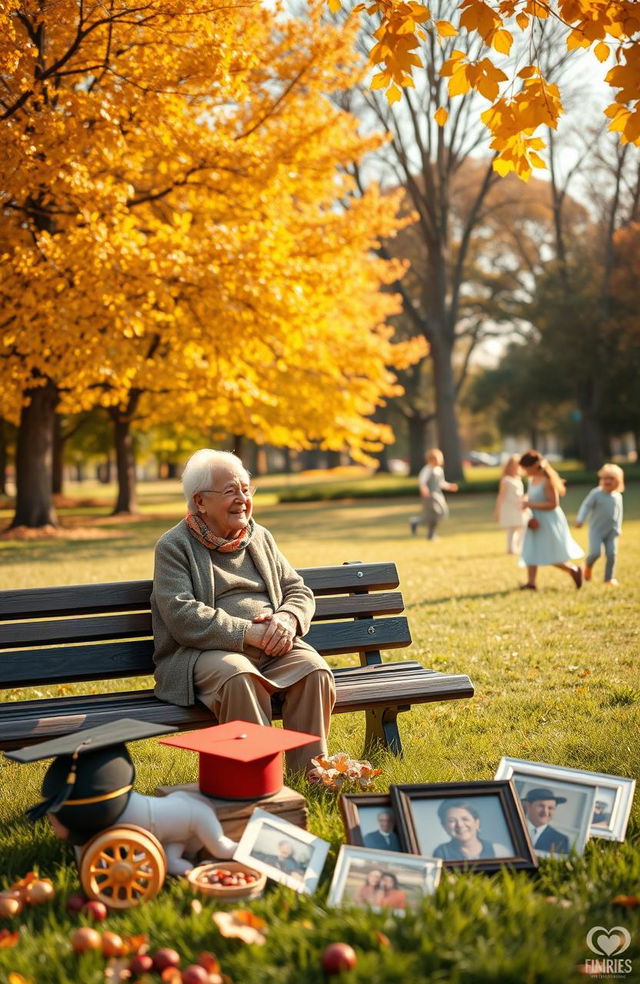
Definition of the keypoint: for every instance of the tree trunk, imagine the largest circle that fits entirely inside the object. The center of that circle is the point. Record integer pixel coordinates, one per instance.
(3, 456)
(287, 463)
(34, 459)
(446, 416)
(311, 459)
(591, 434)
(57, 467)
(417, 448)
(592, 445)
(126, 501)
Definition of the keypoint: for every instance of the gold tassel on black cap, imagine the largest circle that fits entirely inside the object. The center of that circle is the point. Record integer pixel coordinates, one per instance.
(55, 802)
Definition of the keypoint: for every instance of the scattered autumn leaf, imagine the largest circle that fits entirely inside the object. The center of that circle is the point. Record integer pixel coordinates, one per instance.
(242, 924)
(8, 939)
(626, 901)
(171, 975)
(117, 970)
(382, 938)
(563, 903)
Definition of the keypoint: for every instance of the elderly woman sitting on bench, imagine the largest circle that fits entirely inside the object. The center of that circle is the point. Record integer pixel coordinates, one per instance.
(229, 612)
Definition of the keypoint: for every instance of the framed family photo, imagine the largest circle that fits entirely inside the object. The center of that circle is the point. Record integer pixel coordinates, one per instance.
(612, 800)
(284, 852)
(476, 825)
(382, 880)
(370, 821)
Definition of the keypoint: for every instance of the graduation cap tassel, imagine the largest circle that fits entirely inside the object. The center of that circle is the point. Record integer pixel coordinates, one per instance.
(55, 802)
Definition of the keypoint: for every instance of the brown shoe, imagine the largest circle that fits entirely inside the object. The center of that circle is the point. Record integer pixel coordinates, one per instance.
(587, 572)
(577, 577)
(528, 587)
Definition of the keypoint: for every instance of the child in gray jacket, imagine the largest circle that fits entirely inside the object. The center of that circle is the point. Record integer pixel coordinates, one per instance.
(603, 506)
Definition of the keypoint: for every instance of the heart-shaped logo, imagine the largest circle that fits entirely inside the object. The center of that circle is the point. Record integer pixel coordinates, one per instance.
(607, 942)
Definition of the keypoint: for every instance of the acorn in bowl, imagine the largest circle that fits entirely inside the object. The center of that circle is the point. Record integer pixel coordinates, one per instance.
(227, 880)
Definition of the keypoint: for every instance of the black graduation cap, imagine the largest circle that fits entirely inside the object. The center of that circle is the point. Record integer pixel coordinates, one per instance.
(89, 782)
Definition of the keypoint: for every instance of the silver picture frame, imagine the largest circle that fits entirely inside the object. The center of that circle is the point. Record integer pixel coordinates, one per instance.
(404, 879)
(614, 792)
(260, 848)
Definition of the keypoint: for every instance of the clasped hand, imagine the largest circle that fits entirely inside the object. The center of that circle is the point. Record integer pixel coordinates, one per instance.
(276, 633)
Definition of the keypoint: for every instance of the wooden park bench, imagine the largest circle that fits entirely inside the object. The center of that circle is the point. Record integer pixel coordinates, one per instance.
(65, 635)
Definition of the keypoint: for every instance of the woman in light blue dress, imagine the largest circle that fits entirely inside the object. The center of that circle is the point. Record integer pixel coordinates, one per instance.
(547, 539)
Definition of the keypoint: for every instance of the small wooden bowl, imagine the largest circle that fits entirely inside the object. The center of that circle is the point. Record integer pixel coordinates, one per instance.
(197, 878)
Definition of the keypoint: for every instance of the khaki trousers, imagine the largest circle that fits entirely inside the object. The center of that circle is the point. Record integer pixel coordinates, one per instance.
(307, 702)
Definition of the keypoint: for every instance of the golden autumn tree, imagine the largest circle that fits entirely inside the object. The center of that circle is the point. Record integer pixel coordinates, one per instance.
(171, 241)
(521, 99)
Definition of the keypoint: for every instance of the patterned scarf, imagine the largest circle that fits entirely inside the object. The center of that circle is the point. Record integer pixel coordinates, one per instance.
(199, 529)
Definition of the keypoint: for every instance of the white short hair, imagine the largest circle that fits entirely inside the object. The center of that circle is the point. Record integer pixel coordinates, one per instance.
(199, 472)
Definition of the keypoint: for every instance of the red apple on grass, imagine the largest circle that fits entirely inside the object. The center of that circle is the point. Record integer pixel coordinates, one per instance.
(84, 939)
(140, 964)
(95, 909)
(164, 958)
(195, 974)
(112, 944)
(338, 957)
(76, 902)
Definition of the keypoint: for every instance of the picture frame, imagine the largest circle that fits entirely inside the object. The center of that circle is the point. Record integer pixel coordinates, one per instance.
(451, 820)
(561, 808)
(382, 880)
(614, 792)
(370, 821)
(284, 852)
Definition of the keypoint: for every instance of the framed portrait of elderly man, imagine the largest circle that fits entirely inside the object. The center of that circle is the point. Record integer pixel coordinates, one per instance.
(557, 811)
(477, 825)
(613, 794)
(284, 852)
(382, 880)
(370, 821)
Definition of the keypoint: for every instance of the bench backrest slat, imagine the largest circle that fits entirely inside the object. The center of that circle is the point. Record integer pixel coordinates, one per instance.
(131, 625)
(122, 596)
(113, 660)
(86, 632)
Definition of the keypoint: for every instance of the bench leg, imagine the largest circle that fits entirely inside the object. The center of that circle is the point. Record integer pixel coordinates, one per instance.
(382, 730)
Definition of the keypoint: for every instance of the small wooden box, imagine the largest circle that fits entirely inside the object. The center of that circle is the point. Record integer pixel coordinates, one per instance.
(234, 814)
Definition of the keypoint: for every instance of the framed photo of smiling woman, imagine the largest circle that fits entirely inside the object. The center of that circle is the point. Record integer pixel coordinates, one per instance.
(476, 825)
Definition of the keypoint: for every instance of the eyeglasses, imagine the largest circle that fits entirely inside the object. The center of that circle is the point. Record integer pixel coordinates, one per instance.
(234, 493)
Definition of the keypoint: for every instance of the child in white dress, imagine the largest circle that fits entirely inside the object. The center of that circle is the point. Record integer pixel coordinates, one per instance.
(508, 509)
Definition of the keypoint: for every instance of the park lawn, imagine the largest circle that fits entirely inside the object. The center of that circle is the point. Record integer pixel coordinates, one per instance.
(557, 679)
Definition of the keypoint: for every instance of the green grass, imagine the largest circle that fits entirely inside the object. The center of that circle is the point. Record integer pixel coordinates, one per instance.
(557, 679)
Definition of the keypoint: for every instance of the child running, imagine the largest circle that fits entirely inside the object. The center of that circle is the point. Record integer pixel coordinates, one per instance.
(547, 539)
(432, 484)
(603, 506)
(508, 509)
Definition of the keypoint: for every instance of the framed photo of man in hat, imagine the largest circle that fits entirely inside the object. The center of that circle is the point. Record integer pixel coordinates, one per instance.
(557, 812)
(613, 796)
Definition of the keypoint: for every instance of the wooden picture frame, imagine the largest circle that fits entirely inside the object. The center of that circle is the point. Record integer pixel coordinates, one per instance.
(428, 813)
(361, 813)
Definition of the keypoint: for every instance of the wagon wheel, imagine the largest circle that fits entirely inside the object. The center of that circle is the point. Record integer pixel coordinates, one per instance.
(123, 866)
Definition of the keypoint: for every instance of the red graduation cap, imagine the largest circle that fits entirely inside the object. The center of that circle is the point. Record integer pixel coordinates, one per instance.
(240, 760)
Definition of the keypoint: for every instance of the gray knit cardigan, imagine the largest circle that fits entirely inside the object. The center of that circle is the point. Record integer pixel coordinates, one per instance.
(183, 605)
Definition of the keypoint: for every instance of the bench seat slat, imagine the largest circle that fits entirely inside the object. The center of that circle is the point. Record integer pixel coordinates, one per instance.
(130, 625)
(31, 721)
